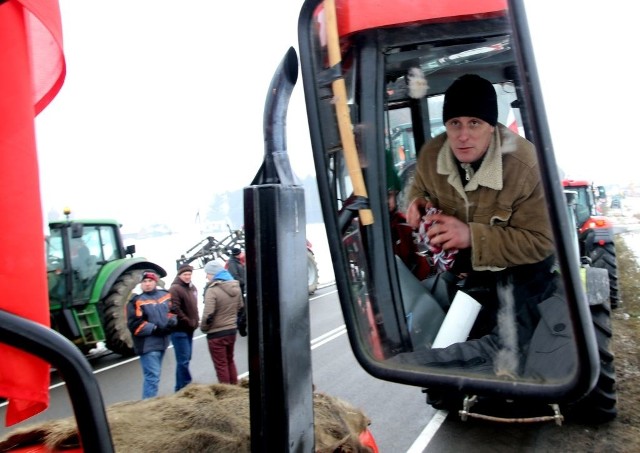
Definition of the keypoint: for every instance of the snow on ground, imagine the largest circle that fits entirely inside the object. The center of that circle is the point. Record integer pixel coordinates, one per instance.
(627, 218)
(164, 250)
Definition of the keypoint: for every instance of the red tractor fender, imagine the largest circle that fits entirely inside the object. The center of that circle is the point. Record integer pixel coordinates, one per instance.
(596, 223)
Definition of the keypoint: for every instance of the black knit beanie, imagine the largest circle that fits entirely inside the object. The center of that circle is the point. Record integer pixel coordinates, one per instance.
(471, 95)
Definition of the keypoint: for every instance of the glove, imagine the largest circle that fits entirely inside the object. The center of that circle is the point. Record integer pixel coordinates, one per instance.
(242, 323)
(172, 322)
(160, 331)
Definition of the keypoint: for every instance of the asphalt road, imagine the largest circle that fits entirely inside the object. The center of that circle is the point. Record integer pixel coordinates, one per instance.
(398, 413)
(401, 421)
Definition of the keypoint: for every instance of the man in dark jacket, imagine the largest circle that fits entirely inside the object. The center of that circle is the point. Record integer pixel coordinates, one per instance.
(184, 304)
(150, 322)
(236, 267)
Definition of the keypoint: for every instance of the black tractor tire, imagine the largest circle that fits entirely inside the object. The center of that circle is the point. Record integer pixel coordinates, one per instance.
(114, 313)
(599, 406)
(604, 256)
(312, 266)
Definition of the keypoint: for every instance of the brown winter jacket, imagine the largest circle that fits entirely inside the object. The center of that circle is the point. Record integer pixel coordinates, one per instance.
(222, 301)
(503, 203)
(184, 299)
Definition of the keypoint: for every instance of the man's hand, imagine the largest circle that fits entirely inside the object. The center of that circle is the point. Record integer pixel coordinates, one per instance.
(416, 210)
(448, 232)
(160, 331)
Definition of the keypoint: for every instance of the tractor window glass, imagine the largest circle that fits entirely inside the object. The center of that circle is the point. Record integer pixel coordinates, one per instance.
(583, 205)
(55, 252)
(55, 268)
(437, 278)
(108, 243)
(91, 238)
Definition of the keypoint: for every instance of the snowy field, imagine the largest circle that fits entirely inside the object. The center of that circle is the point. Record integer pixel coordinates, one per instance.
(165, 250)
(626, 217)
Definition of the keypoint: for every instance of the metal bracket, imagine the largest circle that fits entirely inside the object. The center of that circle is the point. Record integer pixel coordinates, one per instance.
(469, 401)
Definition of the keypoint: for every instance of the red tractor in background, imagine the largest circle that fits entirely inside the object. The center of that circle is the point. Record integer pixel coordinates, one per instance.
(595, 232)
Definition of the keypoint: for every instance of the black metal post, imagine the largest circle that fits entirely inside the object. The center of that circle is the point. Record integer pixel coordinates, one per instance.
(280, 377)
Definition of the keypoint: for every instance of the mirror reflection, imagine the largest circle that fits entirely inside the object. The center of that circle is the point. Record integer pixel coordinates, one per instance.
(459, 273)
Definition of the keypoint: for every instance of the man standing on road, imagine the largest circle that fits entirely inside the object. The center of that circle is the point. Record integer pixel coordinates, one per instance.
(222, 303)
(184, 304)
(150, 322)
(236, 268)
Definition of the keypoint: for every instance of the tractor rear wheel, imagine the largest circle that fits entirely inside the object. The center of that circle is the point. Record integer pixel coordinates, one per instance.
(604, 256)
(312, 266)
(118, 337)
(599, 406)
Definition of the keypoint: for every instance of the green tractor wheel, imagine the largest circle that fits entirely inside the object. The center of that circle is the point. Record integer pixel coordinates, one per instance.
(118, 337)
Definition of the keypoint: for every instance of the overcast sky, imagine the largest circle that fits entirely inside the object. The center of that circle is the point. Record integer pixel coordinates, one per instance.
(163, 101)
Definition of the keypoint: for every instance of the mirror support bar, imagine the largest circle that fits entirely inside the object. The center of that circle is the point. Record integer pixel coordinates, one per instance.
(281, 387)
(281, 381)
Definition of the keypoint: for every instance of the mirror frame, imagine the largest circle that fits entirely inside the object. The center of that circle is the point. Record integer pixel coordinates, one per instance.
(383, 277)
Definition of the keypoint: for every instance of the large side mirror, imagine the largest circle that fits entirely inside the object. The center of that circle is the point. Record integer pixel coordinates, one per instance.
(531, 334)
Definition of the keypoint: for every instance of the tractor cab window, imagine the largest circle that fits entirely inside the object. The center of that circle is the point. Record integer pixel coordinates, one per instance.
(55, 252)
(584, 202)
(101, 241)
(55, 267)
(73, 263)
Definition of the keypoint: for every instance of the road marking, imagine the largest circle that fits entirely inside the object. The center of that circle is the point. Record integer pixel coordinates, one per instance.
(322, 339)
(428, 432)
(323, 294)
(327, 337)
(316, 343)
(418, 446)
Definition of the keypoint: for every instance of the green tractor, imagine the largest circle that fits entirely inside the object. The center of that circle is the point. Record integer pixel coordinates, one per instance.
(91, 277)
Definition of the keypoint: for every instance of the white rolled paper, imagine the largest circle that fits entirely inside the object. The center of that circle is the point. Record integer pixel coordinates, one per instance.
(458, 322)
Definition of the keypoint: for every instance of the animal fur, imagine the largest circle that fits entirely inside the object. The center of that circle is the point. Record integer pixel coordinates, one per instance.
(199, 418)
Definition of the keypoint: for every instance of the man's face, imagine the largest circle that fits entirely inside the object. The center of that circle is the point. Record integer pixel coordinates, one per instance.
(148, 285)
(186, 277)
(469, 137)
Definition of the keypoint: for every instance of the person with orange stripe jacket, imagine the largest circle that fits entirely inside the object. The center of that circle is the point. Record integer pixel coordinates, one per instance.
(150, 321)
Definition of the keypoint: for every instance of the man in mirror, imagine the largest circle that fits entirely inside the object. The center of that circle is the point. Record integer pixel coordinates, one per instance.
(477, 187)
